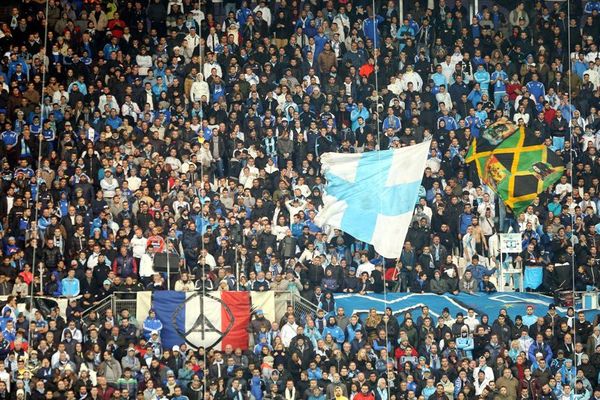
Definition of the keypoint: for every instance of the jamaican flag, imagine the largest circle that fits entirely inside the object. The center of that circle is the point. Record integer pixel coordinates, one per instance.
(517, 166)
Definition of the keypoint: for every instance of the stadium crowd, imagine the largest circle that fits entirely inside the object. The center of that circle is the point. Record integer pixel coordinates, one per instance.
(133, 129)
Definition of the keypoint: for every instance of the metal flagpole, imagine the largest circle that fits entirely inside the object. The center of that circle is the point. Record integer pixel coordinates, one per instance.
(572, 267)
(200, 57)
(237, 270)
(168, 266)
(382, 258)
(502, 276)
(37, 192)
(400, 12)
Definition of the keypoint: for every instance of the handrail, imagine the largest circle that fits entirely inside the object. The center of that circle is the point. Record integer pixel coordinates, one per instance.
(89, 310)
(297, 298)
(302, 307)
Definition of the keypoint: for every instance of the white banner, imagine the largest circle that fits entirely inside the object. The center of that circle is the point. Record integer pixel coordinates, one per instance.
(264, 301)
(143, 305)
(510, 243)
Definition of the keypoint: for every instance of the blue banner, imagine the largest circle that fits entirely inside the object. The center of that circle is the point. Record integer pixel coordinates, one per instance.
(165, 304)
(514, 303)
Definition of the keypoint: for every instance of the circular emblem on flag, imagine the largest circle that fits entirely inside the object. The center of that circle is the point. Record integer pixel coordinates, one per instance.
(205, 316)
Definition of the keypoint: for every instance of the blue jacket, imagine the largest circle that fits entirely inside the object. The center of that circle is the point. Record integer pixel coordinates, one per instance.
(580, 67)
(464, 221)
(109, 48)
(336, 333)
(256, 387)
(12, 68)
(405, 31)
(479, 271)
(152, 325)
(537, 89)
(371, 29)
(483, 78)
(439, 79)
(475, 124)
(591, 6)
(320, 41)
(242, 15)
(355, 114)
(465, 346)
(499, 86)
(10, 138)
(314, 335)
(450, 123)
(314, 373)
(568, 374)
(545, 350)
(392, 122)
(475, 96)
(352, 329)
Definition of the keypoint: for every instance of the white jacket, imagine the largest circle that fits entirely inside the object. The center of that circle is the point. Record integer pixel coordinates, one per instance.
(413, 77)
(146, 266)
(199, 88)
(444, 98)
(138, 246)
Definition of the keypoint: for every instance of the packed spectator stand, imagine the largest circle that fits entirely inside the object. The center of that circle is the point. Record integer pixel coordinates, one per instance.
(175, 145)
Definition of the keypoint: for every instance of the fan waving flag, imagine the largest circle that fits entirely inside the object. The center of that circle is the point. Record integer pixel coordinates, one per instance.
(514, 164)
(371, 196)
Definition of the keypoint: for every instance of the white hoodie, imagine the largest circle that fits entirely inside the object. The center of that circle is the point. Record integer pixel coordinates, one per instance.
(199, 88)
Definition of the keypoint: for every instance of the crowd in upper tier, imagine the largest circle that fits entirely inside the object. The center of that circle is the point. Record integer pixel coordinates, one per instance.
(130, 129)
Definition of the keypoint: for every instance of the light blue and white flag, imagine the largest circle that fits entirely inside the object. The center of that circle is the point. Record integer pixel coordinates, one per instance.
(372, 195)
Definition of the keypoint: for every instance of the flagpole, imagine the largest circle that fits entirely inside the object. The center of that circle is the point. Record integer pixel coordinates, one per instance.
(200, 71)
(168, 266)
(237, 269)
(37, 180)
(572, 266)
(382, 258)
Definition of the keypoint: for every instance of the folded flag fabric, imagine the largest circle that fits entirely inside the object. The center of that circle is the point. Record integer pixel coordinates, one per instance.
(516, 165)
(371, 195)
(209, 320)
(533, 277)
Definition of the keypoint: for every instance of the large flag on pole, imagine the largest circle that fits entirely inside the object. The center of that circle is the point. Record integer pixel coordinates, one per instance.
(371, 196)
(515, 164)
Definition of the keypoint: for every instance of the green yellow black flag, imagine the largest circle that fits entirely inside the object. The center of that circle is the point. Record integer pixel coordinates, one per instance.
(515, 165)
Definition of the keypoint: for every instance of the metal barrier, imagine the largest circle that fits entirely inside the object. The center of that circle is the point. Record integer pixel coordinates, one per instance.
(99, 308)
(125, 302)
(118, 301)
(302, 307)
(511, 278)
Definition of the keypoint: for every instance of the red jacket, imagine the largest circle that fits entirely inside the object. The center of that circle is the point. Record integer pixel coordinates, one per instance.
(549, 115)
(361, 396)
(511, 90)
(366, 70)
(402, 352)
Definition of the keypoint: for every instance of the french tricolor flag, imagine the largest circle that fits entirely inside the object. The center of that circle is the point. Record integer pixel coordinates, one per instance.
(210, 320)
